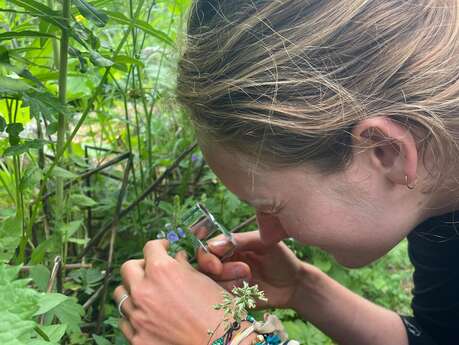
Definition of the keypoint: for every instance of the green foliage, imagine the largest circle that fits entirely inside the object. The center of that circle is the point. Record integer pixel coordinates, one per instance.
(10, 236)
(21, 306)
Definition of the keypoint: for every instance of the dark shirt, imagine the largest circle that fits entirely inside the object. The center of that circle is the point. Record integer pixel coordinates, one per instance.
(433, 247)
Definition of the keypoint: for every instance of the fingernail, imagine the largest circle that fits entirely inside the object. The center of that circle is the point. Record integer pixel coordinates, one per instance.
(238, 272)
(218, 243)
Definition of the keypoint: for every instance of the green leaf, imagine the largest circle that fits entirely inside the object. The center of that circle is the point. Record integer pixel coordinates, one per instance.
(19, 300)
(11, 85)
(90, 12)
(40, 275)
(44, 103)
(100, 340)
(19, 149)
(141, 25)
(49, 301)
(82, 200)
(40, 251)
(70, 313)
(99, 60)
(54, 332)
(25, 33)
(124, 59)
(61, 172)
(40, 10)
(8, 273)
(10, 236)
(78, 241)
(12, 327)
(67, 230)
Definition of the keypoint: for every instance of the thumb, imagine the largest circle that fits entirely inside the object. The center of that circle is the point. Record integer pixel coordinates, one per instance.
(245, 241)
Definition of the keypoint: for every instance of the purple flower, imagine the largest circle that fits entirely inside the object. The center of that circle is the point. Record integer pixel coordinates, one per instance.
(194, 158)
(181, 233)
(172, 236)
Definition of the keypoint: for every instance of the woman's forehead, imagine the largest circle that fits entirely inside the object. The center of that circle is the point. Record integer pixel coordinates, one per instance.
(245, 177)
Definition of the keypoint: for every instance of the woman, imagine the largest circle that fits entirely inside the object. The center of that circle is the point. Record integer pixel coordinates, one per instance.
(338, 122)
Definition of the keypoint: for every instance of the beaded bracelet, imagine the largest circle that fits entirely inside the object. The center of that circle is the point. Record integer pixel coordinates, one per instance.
(275, 336)
(226, 338)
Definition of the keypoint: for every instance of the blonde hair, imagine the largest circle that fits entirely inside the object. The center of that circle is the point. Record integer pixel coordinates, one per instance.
(288, 79)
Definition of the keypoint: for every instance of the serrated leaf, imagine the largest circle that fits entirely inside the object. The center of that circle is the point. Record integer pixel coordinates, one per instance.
(25, 33)
(49, 301)
(82, 200)
(44, 103)
(18, 300)
(63, 173)
(70, 313)
(141, 25)
(11, 85)
(91, 13)
(13, 327)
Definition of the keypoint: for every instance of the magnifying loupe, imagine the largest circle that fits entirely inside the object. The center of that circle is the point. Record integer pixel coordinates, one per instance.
(197, 226)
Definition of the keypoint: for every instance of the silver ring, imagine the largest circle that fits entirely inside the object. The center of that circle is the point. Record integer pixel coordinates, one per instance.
(120, 304)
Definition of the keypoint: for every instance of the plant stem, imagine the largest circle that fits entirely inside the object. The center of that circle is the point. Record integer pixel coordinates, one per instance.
(63, 62)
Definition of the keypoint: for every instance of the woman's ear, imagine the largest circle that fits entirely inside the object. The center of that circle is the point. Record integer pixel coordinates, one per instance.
(391, 147)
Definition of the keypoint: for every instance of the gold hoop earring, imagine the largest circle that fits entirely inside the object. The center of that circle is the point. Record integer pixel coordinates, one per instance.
(409, 186)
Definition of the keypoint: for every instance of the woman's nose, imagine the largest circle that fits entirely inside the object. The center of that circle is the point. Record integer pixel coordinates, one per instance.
(271, 230)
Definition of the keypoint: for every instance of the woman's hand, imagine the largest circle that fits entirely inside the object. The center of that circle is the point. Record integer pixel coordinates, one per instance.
(169, 303)
(274, 268)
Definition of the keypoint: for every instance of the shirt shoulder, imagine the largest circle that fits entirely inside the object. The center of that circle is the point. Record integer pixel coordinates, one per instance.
(433, 247)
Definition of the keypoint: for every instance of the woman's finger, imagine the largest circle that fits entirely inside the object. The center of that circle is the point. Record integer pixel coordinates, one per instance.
(154, 253)
(132, 272)
(182, 257)
(235, 270)
(127, 329)
(243, 242)
(123, 303)
(209, 263)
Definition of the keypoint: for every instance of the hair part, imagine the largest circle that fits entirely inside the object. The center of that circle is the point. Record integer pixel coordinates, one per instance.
(287, 80)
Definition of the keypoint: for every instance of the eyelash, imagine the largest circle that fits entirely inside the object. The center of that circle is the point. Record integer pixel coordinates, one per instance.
(275, 209)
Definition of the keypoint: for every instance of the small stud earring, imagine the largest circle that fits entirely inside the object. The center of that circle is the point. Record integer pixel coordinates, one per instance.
(409, 186)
